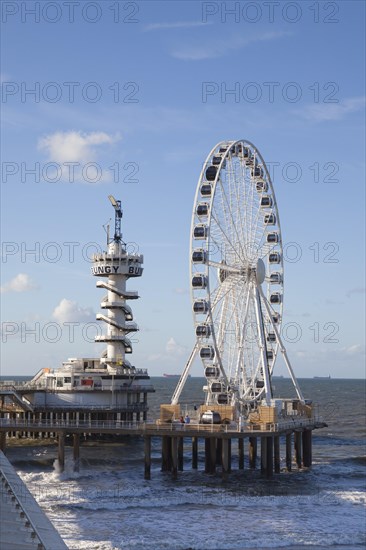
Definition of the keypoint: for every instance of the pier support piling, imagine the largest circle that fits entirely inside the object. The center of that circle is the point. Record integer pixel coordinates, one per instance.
(289, 452)
(298, 439)
(207, 455)
(269, 457)
(241, 453)
(277, 458)
(3, 442)
(210, 455)
(225, 457)
(263, 455)
(180, 453)
(213, 455)
(218, 452)
(307, 448)
(61, 450)
(76, 452)
(253, 452)
(194, 453)
(147, 446)
(174, 451)
(229, 454)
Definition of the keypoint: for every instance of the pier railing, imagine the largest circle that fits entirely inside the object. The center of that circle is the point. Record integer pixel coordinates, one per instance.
(27, 386)
(12, 493)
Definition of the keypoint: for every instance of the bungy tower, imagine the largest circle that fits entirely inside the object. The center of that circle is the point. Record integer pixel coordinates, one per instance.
(116, 266)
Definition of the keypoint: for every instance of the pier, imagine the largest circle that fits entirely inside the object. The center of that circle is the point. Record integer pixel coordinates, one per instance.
(261, 442)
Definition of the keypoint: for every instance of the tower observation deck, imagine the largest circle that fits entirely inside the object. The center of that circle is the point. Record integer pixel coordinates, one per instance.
(115, 267)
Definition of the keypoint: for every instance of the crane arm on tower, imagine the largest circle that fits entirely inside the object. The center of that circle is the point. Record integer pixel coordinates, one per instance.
(117, 218)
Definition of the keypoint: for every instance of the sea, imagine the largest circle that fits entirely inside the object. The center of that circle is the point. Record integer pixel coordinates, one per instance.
(108, 505)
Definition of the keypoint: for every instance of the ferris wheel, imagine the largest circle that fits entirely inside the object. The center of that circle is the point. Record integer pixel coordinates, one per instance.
(237, 278)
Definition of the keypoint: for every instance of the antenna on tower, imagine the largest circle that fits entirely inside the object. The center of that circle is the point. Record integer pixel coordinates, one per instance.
(117, 219)
(106, 228)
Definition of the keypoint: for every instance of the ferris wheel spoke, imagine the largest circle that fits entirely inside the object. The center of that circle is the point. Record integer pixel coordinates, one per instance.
(233, 225)
(227, 267)
(218, 191)
(243, 188)
(233, 248)
(224, 292)
(241, 326)
(257, 227)
(222, 324)
(239, 207)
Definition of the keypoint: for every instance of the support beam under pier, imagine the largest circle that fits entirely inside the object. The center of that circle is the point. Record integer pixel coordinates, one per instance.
(225, 457)
(174, 450)
(76, 452)
(252, 452)
(195, 453)
(307, 448)
(289, 452)
(298, 453)
(61, 450)
(263, 455)
(277, 457)
(210, 455)
(241, 453)
(269, 458)
(147, 448)
(180, 453)
(3, 441)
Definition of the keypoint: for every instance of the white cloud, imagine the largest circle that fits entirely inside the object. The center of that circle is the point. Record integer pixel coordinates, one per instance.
(70, 311)
(173, 348)
(173, 351)
(74, 146)
(355, 349)
(320, 112)
(181, 291)
(21, 283)
(220, 47)
(175, 25)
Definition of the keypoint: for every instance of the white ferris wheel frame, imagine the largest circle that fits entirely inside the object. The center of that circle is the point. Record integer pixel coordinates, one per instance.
(253, 286)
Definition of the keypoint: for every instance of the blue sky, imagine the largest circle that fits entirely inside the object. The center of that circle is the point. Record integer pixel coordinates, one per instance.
(149, 92)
